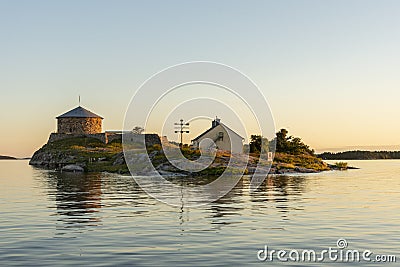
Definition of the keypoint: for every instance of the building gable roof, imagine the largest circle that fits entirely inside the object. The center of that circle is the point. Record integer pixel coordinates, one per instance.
(79, 112)
(223, 125)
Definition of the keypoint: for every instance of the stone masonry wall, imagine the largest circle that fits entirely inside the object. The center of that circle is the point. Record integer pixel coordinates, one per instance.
(60, 136)
(112, 137)
(79, 125)
(150, 139)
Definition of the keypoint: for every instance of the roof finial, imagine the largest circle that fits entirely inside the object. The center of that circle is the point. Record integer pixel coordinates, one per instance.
(79, 100)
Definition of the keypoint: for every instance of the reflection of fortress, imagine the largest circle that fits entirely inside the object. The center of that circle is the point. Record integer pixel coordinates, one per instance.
(77, 198)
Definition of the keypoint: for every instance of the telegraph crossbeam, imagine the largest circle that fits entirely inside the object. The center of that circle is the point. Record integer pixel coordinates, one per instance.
(181, 128)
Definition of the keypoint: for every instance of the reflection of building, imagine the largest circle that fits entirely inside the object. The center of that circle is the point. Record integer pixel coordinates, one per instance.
(222, 136)
(284, 192)
(79, 121)
(227, 207)
(78, 198)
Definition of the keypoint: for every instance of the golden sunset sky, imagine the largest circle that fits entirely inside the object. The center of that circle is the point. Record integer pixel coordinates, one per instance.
(328, 69)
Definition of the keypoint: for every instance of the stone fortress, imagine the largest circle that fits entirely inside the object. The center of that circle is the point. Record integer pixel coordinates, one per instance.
(80, 122)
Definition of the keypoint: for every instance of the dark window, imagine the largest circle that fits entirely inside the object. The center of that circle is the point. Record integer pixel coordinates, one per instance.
(221, 136)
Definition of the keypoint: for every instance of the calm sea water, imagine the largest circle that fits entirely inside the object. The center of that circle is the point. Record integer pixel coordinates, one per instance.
(53, 219)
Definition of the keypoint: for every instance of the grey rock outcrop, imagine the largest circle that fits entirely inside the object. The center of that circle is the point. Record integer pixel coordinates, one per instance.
(72, 168)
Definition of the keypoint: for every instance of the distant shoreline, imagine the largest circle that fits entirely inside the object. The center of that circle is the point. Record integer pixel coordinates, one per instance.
(360, 155)
(12, 158)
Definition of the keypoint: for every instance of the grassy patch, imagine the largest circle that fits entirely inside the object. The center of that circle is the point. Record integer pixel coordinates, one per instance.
(301, 160)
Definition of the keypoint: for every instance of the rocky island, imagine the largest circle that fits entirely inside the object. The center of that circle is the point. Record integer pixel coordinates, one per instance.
(79, 145)
(92, 155)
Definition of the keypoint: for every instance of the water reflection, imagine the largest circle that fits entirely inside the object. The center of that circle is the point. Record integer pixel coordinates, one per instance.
(77, 198)
(361, 206)
(284, 192)
(228, 204)
(280, 189)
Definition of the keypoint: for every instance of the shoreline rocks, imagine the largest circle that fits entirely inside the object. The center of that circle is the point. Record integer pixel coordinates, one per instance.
(72, 168)
(91, 155)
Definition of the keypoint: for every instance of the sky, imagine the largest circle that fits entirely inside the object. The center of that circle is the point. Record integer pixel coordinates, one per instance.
(328, 69)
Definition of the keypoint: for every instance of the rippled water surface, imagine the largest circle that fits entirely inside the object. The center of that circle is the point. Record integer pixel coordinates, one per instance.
(53, 219)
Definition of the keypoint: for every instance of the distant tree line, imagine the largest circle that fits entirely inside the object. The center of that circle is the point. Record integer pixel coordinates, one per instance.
(7, 157)
(360, 154)
(284, 143)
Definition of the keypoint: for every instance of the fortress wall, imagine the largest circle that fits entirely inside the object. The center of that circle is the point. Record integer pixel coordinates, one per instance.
(60, 136)
(113, 136)
(151, 139)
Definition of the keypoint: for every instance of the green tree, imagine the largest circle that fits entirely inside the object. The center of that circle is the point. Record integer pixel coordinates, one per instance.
(282, 141)
(258, 144)
(255, 144)
(137, 130)
(291, 145)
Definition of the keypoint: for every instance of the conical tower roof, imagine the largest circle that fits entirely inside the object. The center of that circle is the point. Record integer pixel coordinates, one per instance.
(79, 112)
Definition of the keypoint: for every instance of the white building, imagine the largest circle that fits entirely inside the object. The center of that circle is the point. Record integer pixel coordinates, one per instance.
(219, 136)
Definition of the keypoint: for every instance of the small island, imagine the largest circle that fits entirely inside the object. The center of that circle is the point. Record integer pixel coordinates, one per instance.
(80, 146)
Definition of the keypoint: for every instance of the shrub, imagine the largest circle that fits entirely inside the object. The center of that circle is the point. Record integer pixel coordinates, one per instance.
(341, 165)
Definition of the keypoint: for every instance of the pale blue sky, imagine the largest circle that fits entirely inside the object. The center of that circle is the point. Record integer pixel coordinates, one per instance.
(329, 69)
